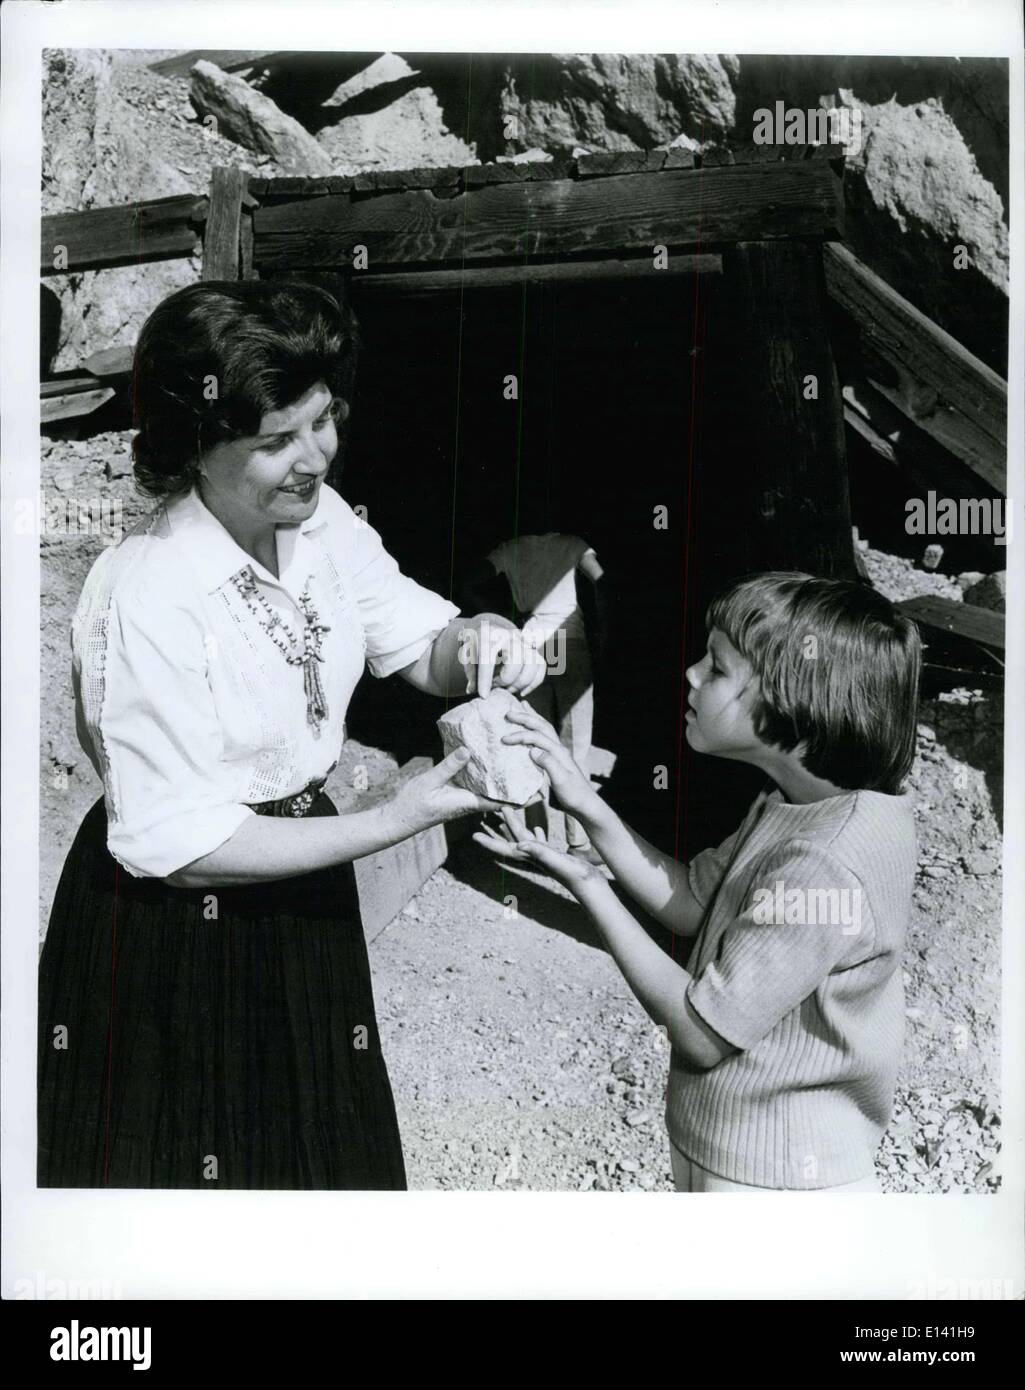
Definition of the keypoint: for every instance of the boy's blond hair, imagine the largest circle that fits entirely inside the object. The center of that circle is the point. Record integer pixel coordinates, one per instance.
(838, 670)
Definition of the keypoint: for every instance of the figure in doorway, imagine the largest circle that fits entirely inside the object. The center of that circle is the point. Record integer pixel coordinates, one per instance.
(541, 573)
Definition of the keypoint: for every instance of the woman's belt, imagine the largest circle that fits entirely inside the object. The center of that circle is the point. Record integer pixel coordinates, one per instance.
(299, 803)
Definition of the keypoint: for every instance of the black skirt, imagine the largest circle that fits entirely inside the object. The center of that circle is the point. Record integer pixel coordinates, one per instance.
(206, 1038)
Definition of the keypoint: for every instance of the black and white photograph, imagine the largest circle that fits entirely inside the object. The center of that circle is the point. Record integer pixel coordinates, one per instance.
(521, 542)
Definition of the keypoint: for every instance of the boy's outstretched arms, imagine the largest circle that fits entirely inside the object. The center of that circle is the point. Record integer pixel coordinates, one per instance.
(659, 983)
(653, 879)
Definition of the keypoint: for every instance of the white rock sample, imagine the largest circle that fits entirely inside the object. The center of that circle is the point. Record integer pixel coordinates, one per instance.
(501, 771)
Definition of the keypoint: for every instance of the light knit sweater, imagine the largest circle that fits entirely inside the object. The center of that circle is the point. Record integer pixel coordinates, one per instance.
(798, 964)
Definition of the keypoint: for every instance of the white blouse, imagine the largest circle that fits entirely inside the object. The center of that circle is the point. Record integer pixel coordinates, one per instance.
(186, 707)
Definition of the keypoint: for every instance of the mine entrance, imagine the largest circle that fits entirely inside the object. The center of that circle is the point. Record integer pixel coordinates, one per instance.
(603, 439)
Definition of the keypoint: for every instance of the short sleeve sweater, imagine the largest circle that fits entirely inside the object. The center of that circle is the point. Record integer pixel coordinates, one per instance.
(797, 964)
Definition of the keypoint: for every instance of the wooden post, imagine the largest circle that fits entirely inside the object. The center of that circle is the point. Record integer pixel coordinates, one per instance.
(221, 259)
(774, 475)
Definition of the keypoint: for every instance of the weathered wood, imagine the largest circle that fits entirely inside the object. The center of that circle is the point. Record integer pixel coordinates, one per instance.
(591, 166)
(245, 246)
(946, 615)
(783, 501)
(769, 154)
(387, 180)
(404, 283)
(925, 463)
(478, 175)
(388, 879)
(67, 407)
(132, 234)
(862, 426)
(924, 372)
(531, 170)
(681, 208)
(223, 225)
(68, 385)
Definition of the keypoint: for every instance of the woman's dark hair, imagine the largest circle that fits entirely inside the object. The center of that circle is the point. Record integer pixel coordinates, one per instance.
(837, 668)
(214, 358)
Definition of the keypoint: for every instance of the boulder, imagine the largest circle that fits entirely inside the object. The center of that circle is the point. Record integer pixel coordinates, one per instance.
(990, 592)
(253, 120)
(501, 771)
(613, 102)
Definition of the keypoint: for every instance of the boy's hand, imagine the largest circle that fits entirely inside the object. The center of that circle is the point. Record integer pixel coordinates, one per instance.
(507, 844)
(571, 786)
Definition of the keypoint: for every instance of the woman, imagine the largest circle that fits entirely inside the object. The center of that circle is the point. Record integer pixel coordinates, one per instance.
(206, 1017)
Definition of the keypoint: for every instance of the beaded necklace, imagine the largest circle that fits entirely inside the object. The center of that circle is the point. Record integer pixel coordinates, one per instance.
(301, 651)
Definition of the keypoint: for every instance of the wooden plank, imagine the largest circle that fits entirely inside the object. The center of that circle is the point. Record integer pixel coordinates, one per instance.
(68, 385)
(861, 425)
(245, 247)
(131, 234)
(591, 166)
(530, 170)
(926, 464)
(403, 283)
(67, 407)
(680, 207)
(961, 619)
(387, 180)
(923, 371)
(783, 502)
(223, 225)
(388, 879)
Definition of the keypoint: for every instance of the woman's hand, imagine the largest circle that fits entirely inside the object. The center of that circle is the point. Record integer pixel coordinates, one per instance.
(572, 788)
(429, 798)
(495, 652)
(536, 852)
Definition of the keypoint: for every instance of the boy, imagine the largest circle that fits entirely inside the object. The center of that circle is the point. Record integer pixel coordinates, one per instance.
(787, 1024)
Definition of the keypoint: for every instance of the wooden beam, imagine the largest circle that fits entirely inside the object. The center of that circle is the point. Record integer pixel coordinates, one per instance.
(782, 502)
(132, 234)
(402, 283)
(388, 879)
(677, 208)
(926, 464)
(921, 370)
(221, 242)
(74, 403)
(946, 615)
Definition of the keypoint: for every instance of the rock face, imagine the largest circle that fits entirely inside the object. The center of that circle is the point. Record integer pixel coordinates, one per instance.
(614, 101)
(501, 771)
(252, 119)
(114, 133)
(387, 117)
(990, 592)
